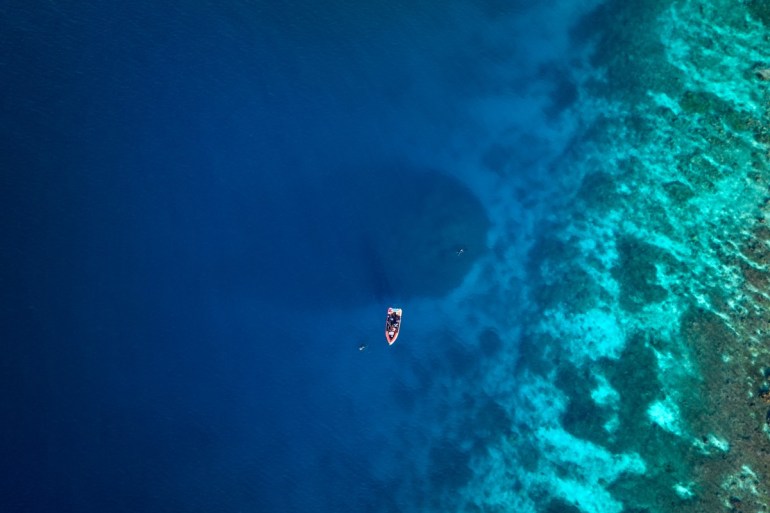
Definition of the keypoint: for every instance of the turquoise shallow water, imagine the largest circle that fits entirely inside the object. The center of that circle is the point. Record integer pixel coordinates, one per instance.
(639, 377)
(209, 208)
(643, 365)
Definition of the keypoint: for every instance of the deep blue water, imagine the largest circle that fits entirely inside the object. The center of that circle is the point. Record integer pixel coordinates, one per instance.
(205, 210)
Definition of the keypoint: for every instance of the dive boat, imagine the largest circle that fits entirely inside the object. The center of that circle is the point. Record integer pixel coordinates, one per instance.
(392, 325)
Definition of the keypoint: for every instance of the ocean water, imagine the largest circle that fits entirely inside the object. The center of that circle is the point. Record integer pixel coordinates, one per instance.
(208, 207)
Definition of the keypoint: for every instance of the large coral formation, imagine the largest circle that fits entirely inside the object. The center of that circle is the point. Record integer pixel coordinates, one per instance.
(643, 375)
(666, 238)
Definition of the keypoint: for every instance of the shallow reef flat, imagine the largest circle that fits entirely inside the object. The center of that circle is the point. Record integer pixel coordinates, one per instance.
(643, 380)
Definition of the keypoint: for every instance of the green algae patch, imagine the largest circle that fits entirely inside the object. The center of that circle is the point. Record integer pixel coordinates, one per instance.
(756, 248)
(637, 275)
(669, 458)
(527, 453)
(560, 281)
(634, 376)
(535, 354)
(560, 506)
(488, 422)
(708, 337)
(758, 278)
(697, 102)
(641, 58)
(715, 110)
(678, 192)
(762, 135)
(708, 340)
(760, 11)
(699, 171)
(647, 494)
(599, 189)
(582, 418)
(572, 288)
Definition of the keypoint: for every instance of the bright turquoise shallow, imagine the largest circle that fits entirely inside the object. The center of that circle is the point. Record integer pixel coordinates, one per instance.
(207, 210)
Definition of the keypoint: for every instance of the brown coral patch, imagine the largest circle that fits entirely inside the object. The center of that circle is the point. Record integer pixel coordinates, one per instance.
(724, 408)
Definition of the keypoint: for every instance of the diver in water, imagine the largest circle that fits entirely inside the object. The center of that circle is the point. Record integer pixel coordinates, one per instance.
(460, 251)
(362, 347)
